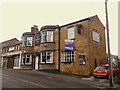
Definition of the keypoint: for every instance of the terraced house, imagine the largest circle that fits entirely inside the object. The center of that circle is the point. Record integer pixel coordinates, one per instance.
(74, 48)
(11, 54)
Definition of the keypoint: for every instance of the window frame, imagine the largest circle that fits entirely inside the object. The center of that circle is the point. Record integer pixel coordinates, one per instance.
(46, 56)
(11, 48)
(37, 39)
(68, 56)
(71, 34)
(29, 41)
(51, 36)
(23, 41)
(43, 36)
(83, 60)
(24, 59)
(16, 61)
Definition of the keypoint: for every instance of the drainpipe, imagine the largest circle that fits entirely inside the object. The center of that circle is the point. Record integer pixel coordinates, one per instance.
(59, 48)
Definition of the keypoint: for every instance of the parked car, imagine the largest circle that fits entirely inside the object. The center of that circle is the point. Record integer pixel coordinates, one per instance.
(102, 71)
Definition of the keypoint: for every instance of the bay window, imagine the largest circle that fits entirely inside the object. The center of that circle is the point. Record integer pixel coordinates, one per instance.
(43, 37)
(37, 39)
(47, 36)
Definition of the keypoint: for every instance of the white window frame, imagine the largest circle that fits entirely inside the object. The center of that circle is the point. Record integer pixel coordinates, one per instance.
(46, 56)
(11, 48)
(50, 33)
(16, 61)
(71, 32)
(41, 61)
(29, 40)
(68, 56)
(51, 57)
(26, 56)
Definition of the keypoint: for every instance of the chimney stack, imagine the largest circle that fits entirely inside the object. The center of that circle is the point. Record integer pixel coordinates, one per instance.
(34, 28)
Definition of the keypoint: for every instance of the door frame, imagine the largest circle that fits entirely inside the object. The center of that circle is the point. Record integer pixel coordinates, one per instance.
(36, 62)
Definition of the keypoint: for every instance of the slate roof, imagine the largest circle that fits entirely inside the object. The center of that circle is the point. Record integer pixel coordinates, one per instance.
(10, 42)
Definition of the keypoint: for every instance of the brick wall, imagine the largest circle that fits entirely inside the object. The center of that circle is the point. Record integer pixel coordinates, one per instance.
(84, 44)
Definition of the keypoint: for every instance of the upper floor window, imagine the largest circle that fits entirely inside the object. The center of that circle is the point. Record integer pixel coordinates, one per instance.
(37, 39)
(23, 41)
(4, 50)
(47, 36)
(11, 48)
(95, 36)
(29, 41)
(71, 33)
(43, 37)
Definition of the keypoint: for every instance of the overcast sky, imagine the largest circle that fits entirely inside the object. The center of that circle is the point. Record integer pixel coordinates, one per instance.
(18, 17)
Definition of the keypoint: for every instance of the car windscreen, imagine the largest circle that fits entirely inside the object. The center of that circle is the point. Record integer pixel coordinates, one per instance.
(101, 67)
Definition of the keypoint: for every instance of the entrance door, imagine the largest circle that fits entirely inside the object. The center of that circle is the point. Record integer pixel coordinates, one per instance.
(36, 62)
(95, 63)
(10, 62)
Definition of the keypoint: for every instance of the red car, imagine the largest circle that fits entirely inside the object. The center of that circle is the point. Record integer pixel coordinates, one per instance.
(102, 71)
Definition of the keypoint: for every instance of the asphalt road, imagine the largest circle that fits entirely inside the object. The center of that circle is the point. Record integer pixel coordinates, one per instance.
(34, 79)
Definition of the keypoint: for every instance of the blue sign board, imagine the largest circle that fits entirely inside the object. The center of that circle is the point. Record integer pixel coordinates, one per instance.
(69, 44)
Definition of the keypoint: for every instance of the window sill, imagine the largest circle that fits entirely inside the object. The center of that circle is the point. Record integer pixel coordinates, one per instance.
(46, 63)
(27, 46)
(72, 39)
(46, 42)
(26, 64)
(67, 62)
(82, 64)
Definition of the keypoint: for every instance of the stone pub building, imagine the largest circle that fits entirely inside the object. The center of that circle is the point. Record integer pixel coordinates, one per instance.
(74, 48)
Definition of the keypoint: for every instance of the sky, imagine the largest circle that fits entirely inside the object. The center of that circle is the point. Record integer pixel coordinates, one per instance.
(18, 16)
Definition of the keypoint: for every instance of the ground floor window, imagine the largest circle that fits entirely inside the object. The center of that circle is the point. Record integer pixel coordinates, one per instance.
(82, 59)
(26, 59)
(5, 60)
(16, 61)
(67, 56)
(46, 57)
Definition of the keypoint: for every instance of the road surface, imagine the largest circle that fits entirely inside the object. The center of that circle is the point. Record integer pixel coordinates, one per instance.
(36, 79)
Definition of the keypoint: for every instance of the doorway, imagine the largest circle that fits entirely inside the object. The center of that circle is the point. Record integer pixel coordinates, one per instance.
(36, 62)
(10, 62)
(95, 61)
